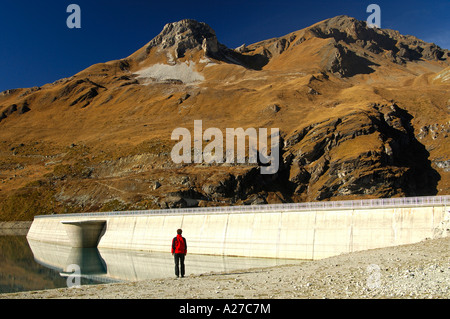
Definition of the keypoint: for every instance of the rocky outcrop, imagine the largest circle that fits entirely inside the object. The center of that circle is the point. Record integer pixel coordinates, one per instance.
(344, 62)
(185, 35)
(398, 47)
(179, 37)
(434, 131)
(86, 97)
(22, 109)
(321, 166)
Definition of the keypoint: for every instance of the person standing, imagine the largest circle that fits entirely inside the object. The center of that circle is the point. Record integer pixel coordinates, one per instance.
(179, 251)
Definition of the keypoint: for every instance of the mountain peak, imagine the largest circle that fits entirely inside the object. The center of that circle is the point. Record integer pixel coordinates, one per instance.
(185, 35)
(400, 48)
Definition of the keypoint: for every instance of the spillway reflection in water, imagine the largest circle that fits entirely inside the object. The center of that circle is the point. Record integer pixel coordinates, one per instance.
(19, 270)
(113, 265)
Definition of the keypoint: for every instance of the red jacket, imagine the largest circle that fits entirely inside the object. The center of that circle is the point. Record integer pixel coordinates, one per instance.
(179, 245)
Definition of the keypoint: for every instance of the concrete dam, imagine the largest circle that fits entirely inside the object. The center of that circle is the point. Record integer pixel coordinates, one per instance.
(295, 231)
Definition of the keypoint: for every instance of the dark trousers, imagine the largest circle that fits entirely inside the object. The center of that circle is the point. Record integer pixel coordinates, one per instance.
(179, 264)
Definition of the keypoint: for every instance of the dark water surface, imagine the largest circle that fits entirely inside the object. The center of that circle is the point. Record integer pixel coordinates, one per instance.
(20, 272)
(28, 265)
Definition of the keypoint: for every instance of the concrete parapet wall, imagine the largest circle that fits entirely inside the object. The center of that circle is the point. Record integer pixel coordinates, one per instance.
(304, 234)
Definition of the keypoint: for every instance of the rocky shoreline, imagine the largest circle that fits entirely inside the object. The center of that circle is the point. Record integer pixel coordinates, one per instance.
(416, 271)
(16, 225)
(14, 228)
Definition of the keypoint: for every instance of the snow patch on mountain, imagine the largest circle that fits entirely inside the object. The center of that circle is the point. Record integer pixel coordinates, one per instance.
(184, 72)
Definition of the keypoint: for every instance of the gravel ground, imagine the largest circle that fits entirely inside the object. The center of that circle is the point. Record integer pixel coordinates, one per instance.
(419, 270)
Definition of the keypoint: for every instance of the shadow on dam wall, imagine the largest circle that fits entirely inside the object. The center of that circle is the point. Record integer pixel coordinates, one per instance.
(285, 231)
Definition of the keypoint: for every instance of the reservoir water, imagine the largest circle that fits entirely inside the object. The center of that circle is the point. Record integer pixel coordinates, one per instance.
(29, 265)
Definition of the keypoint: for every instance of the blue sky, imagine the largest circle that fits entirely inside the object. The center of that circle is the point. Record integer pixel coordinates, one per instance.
(37, 47)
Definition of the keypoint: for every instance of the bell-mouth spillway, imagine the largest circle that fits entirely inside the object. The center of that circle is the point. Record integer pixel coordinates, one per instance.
(84, 233)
